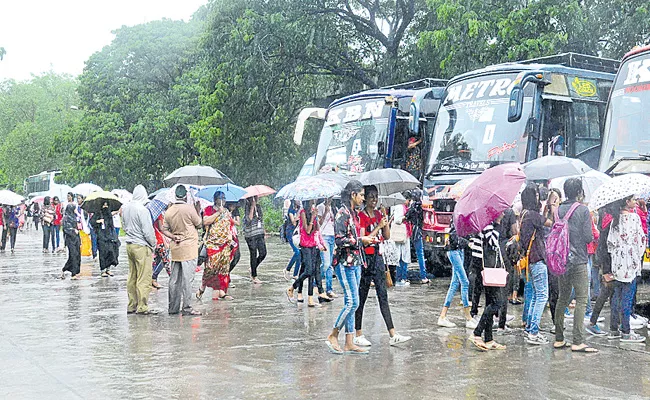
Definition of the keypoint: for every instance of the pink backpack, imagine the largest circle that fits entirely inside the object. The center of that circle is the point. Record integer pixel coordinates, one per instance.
(557, 243)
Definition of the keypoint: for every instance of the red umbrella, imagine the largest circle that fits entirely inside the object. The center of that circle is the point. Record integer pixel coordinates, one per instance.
(259, 191)
(487, 197)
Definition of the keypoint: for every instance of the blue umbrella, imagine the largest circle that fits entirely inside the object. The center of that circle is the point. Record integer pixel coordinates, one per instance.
(232, 192)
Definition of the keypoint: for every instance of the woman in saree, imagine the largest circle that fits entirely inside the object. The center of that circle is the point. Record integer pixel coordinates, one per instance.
(218, 240)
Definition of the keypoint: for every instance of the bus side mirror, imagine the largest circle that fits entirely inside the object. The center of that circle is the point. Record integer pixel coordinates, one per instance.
(381, 148)
(516, 104)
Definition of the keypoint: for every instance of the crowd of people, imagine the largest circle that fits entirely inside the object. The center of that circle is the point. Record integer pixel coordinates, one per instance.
(366, 245)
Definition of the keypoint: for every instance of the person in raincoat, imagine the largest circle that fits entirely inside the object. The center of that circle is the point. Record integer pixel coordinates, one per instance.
(72, 242)
(107, 241)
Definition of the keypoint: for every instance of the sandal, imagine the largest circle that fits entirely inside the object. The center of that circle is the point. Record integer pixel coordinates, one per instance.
(495, 346)
(585, 349)
(426, 281)
(333, 349)
(104, 274)
(357, 350)
(199, 294)
(289, 293)
(561, 345)
(156, 285)
(226, 297)
(478, 342)
(193, 312)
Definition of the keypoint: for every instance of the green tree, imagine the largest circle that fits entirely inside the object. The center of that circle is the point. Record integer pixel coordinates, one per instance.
(138, 107)
(2, 53)
(32, 114)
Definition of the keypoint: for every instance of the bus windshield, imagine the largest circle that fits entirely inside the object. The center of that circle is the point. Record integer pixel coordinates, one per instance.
(349, 139)
(472, 131)
(627, 124)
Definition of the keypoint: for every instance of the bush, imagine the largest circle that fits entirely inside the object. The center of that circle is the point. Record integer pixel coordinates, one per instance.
(273, 217)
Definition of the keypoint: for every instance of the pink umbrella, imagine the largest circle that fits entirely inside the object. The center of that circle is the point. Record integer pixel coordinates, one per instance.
(487, 197)
(38, 199)
(259, 191)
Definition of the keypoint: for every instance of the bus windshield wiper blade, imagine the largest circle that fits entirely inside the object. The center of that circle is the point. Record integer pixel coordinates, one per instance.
(452, 165)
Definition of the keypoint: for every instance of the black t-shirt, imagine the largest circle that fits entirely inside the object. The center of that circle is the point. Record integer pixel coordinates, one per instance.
(505, 226)
(533, 221)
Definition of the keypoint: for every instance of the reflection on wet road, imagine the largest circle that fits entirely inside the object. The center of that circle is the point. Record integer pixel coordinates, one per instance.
(73, 339)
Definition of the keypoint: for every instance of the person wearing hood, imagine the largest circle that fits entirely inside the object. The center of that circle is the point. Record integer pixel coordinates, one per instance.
(140, 242)
(72, 242)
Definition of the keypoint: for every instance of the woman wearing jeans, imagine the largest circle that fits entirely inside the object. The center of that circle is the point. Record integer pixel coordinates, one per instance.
(532, 229)
(456, 255)
(326, 220)
(347, 263)
(292, 222)
(626, 244)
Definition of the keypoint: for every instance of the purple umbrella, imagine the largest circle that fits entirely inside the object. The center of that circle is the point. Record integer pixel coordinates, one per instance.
(487, 197)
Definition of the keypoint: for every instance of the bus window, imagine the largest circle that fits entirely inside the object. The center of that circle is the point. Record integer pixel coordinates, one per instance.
(400, 143)
(555, 125)
(586, 132)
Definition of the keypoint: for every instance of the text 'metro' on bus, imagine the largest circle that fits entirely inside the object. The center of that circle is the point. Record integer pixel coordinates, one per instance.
(514, 112)
(371, 129)
(627, 126)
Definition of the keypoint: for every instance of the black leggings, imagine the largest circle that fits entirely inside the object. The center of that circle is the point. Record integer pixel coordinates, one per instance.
(309, 269)
(73, 243)
(553, 293)
(606, 291)
(257, 248)
(477, 291)
(493, 301)
(48, 234)
(235, 259)
(376, 272)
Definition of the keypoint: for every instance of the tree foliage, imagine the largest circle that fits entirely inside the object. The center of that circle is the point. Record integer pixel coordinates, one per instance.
(224, 89)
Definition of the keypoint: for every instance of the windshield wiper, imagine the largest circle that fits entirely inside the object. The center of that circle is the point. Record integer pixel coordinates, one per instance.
(451, 165)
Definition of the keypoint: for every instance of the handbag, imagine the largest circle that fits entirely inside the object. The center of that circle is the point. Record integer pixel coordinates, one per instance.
(522, 264)
(398, 232)
(497, 276)
(295, 238)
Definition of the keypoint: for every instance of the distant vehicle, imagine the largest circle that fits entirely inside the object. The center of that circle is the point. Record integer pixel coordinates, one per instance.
(627, 123)
(43, 185)
(370, 130)
(308, 167)
(513, 112)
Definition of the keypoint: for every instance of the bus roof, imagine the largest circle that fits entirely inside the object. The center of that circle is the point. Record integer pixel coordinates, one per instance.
(635, 51)
(539, 65)
(408, 89)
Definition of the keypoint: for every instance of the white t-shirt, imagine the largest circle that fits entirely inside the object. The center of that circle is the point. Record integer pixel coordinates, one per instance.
(327, 227)
(117, 222)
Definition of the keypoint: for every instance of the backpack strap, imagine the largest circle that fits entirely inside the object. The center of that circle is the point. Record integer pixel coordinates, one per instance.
(569, 213)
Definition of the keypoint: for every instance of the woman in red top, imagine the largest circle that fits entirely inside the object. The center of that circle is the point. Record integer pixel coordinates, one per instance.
(374, 229)
(56, 224)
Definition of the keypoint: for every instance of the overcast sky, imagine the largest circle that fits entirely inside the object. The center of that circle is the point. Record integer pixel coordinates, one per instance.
(40, 35)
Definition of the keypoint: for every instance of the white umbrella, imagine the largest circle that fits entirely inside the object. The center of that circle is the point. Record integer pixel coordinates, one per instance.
(197, 175)
(549, 167)
(169, 196)
(309, 188)
(618, 188)
(123, 194)
(591, 180)
(9, 198)
(85, 189)
(389, 180)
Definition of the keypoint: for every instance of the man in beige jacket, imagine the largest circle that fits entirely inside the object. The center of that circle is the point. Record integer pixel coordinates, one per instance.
(181, 223)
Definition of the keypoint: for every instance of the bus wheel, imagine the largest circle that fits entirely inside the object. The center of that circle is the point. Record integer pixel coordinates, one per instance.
(437, 262)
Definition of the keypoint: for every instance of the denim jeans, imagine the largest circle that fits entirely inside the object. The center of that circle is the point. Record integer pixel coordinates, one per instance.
(595, 281)
(539, 297)
(349, 278)
(48, 235)
(402, 271)
(576, 277)
(458, 278)
(419, 251)
(622, 305)
(295, 260)
(528, 299)
(326, 261)
(57, 234)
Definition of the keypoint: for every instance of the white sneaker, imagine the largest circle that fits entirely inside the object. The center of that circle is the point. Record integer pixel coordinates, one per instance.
(361, 341)
(444, 322)
(509, 317)
(397, 339)
(407, 283)
(538, 339)
(637, 322)
(471, 324)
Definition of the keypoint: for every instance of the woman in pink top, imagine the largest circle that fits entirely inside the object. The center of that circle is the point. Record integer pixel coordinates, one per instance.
(309, 251)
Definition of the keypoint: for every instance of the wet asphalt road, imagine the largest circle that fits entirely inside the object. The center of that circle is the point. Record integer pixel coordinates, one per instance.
(73, 339)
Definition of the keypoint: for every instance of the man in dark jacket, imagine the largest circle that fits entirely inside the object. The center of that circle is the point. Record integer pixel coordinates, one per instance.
(576, 276)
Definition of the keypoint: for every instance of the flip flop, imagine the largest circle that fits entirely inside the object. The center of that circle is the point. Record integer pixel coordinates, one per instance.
(562, 345)
(586, 349)
(226, 297)
(333, 350)
(495, 346)
(357, 351)
(292, 300)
